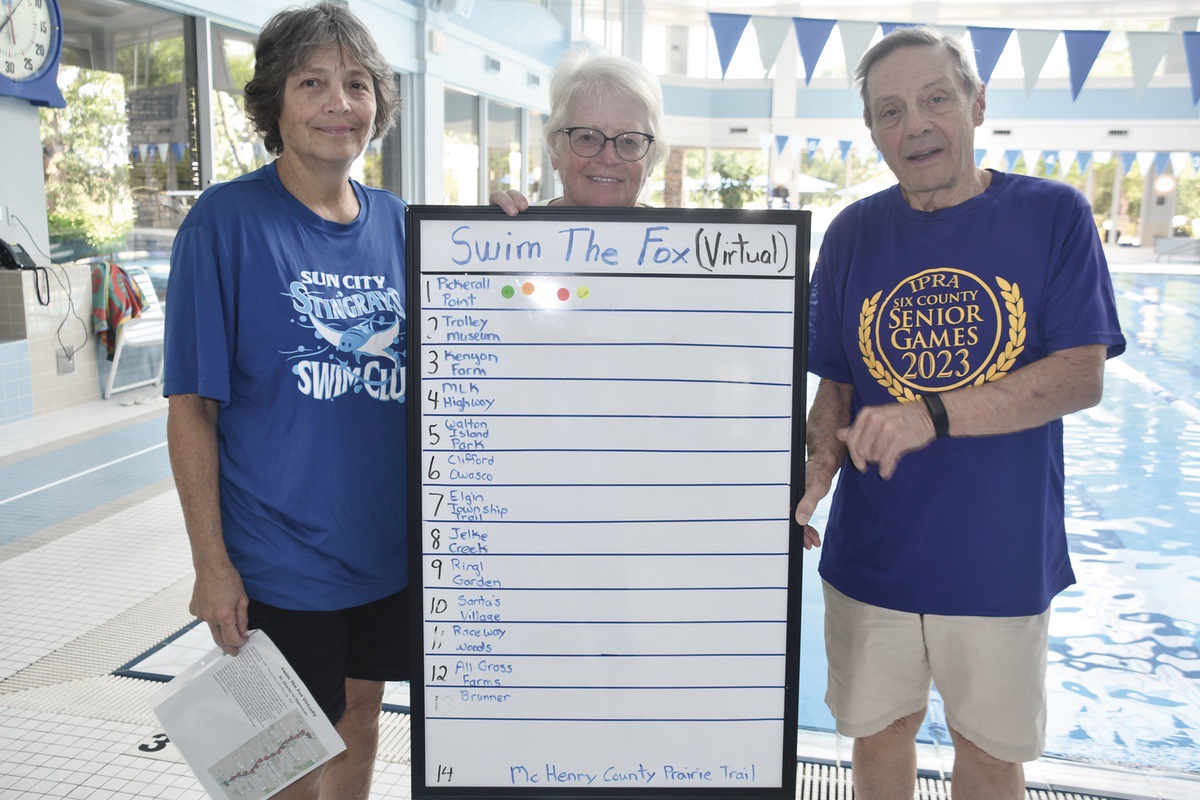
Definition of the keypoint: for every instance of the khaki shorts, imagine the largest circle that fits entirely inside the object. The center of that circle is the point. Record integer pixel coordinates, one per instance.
(990, 671)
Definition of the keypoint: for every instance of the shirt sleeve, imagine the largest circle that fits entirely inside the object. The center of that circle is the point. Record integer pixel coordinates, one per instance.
(200, 327)
(1080, 303)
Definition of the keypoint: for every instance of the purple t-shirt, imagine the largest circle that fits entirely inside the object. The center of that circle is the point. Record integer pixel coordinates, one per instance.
(906, 302)
(295, 325)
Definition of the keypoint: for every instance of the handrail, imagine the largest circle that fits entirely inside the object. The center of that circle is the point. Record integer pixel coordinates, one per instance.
(1188, 244)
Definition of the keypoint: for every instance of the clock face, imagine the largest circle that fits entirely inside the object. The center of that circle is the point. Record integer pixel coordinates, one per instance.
(26, 33)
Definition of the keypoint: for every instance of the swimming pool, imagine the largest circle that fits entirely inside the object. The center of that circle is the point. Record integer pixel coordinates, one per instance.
(1124, 672)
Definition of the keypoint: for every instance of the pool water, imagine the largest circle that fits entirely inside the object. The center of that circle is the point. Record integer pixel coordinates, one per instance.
(1124, 670)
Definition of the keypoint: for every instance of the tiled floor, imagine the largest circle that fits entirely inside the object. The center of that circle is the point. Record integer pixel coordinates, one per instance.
(95, 569)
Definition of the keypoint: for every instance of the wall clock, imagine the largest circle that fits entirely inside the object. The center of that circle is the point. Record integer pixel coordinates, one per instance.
(30, 48)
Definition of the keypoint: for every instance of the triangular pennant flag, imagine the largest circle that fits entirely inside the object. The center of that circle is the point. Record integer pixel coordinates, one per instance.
(1161, 162)
(781, 143)
(856, 38)
(995, 157)
(1144, 159)
(1127, 160)
(1082, 49)
(979, 154)
(727, 30)
(1032, 157)
(1050, 157)
(1084, 158)
(1196, 161)
(1179, 162)
(771, 31)
(811, 36)
(1191, 47)
(1065, 159)
(844, 147)
(765, 140)
(151, 152)
(1103, 156)
(179, 149)
(1010, 159)
(1035, 49)
(812, 145)
(135, 153)
(988, 44)
(1146, 50)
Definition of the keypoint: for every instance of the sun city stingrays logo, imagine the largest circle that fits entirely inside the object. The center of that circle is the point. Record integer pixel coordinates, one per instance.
(941, 329)
(358, 332)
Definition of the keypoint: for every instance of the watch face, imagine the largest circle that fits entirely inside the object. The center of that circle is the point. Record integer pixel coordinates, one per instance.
(26, 34)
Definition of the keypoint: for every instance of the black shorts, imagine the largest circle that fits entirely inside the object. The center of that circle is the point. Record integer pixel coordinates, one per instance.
(367, 642)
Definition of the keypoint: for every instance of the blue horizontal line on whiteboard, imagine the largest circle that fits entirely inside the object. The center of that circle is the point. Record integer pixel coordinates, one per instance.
(598, 521)
(507, 622)
(508, 686)
(595, 485)
(557, 379)
(619, 720)
(454, 588)
(534, 272)
(606, 554)
(614, 655)
(577, 345)
(594, 450)
(611, 416)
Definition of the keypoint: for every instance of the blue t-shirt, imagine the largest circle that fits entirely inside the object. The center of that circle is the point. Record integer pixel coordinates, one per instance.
(295, 325)
(906, 302)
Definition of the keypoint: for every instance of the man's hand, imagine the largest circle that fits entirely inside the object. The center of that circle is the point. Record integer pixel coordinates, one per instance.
(816, 485)
(219, 599)
(882, 434)
(512, 201)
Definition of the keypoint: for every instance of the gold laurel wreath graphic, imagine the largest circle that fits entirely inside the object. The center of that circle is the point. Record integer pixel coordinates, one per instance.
(893, 385)
(1013, 303)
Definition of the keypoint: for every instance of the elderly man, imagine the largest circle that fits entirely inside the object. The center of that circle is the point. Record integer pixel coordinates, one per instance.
(956, 318)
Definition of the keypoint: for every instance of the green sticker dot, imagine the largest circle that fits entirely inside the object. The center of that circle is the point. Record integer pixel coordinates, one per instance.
(507, 292)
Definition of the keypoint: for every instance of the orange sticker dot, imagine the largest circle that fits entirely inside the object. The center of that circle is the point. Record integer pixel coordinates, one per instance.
(527, 288)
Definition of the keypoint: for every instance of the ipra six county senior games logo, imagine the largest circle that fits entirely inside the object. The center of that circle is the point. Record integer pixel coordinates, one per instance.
(941, 329)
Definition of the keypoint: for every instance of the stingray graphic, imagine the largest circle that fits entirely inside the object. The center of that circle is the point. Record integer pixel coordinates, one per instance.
(362, 339)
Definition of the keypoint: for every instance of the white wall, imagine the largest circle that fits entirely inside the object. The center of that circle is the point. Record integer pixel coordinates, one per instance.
(22, 184)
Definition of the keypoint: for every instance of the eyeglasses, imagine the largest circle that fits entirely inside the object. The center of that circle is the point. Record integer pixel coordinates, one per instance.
(588, 142)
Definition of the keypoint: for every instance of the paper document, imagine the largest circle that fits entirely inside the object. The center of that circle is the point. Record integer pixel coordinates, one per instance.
(245, 724)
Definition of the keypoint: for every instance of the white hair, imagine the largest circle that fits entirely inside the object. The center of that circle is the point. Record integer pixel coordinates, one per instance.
(583, 72)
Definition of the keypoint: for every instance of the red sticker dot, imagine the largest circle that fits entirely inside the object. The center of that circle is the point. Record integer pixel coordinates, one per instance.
(564, 294)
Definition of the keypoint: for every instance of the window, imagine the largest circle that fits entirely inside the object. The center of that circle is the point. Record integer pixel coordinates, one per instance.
(119, 160)
(503, 146)
(460, 157)
(237, 147)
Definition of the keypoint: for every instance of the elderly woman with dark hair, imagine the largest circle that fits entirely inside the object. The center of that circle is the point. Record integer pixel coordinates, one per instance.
(285, 361)
(599, 99)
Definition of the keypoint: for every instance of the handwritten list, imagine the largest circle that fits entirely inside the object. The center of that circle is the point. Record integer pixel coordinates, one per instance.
(608, 410)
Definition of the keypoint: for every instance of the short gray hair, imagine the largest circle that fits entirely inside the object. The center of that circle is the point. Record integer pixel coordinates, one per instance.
(285, 45)
(917, 36)
(582, 72)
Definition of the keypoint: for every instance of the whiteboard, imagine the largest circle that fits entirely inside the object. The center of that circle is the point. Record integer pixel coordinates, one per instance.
(606, 413)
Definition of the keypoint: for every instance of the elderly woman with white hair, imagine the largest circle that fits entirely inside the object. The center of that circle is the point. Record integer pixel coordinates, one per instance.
(598, 99)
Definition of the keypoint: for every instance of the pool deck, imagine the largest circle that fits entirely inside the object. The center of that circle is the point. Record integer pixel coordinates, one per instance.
(95, 570)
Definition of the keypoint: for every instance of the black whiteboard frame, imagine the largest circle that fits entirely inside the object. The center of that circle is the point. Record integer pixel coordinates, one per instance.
(414, 216)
